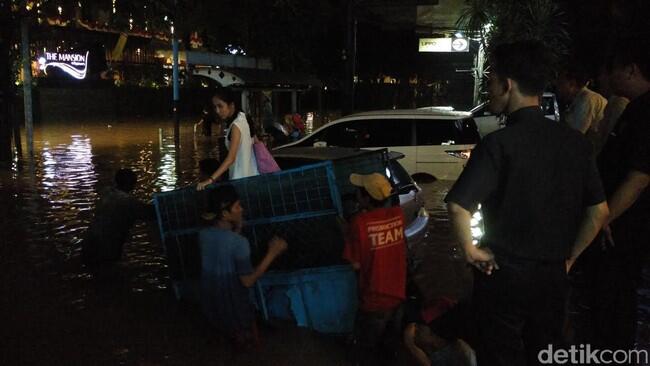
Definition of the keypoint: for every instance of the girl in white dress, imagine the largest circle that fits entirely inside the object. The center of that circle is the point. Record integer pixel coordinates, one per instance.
(240, 161)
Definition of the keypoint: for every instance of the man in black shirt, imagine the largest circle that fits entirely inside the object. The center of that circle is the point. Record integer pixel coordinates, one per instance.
(542, 203)
(625, 168)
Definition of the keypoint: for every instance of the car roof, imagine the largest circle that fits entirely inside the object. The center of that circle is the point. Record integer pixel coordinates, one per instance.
(429, 113)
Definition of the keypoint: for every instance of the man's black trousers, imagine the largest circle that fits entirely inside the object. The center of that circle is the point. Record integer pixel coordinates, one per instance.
(519, 311)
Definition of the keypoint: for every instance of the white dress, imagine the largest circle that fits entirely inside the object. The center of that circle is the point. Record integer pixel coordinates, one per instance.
(245, 164)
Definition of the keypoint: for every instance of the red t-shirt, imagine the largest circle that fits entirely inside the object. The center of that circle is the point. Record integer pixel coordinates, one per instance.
(376, 241)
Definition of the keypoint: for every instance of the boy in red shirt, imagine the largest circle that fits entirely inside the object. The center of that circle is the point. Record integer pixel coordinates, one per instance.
(376, 247)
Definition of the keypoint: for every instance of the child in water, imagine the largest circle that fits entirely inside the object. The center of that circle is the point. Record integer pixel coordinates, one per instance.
(227, 273)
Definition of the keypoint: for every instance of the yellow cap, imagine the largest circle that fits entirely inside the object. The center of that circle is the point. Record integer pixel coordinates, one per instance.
(375, 184)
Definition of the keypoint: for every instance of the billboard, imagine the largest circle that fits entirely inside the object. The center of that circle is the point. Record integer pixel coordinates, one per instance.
(73, 64)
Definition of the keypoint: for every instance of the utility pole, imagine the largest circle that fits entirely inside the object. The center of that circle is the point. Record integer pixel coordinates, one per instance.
(350, 58)
(353, 60)
(175, 81)
(27, 84)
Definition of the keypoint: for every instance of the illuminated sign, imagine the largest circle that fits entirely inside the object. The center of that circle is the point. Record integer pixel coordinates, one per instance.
(444, 45)
(460, 45)
(435, 45)
(74, 64)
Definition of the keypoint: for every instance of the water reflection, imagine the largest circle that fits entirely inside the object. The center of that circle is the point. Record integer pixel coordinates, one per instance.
(45, 207)
(67, 178)
(167, 167)
(49, 199)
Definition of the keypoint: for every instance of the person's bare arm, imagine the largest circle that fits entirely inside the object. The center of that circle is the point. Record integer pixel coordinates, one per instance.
(584, 125)
(587, 121)
(235, 138)
(276, 247)
(622, 199)
(594, 218)
(418, 354)
(627, 193)
(589, 113)
(199, 123)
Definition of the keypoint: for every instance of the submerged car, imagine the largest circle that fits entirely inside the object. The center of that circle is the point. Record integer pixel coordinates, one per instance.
(435, 141)
(407, 192)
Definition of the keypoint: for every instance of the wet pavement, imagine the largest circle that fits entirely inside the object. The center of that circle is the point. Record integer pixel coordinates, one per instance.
(54, 312)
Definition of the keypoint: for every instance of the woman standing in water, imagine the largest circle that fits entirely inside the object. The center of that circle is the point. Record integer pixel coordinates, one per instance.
(240, 160)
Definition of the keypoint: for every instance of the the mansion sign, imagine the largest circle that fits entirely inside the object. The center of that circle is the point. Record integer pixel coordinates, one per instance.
(74, 64)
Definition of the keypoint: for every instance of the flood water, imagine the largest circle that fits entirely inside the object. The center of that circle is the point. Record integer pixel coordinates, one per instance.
(49, 199)
(54, 312)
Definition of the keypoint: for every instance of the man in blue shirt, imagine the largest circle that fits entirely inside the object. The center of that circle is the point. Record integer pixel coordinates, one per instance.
(227, 273)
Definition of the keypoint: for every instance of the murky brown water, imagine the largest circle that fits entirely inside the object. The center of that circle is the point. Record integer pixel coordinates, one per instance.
(55, 312)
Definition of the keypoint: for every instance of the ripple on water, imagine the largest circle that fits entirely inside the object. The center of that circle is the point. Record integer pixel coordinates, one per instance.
(56, 192)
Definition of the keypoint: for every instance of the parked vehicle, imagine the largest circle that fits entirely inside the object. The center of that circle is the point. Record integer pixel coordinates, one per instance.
(435, 142)
(488, 122)
(407, 191)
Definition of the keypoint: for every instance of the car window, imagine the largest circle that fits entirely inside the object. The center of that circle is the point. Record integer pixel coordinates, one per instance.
(343, 134)
(315, 137)
(386, 132)
(468, 132)
(438, 132)
(340, 134)
(371, 133)
(365, 133)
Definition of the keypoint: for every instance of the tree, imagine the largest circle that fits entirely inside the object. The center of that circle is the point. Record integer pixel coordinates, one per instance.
(503, 21)
(493, 22)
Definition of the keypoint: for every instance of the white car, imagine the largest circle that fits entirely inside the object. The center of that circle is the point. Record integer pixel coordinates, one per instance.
(434, 142)
(488, 122)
